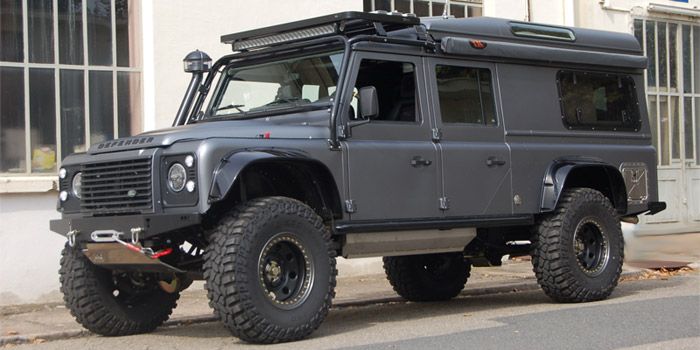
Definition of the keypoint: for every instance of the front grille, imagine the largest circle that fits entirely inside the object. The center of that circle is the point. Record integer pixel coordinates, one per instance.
(117, 187)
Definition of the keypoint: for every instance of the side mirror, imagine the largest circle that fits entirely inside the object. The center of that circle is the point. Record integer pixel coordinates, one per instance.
(368, 102)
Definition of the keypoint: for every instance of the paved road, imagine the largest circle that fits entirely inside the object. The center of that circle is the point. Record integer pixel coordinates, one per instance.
(642, 314)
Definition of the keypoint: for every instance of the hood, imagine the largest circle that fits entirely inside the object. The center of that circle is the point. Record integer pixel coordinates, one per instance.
(308, 125)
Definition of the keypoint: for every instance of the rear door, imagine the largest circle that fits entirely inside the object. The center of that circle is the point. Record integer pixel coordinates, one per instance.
(475, 164)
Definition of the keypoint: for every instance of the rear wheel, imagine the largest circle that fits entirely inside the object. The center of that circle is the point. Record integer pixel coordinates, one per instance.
(270, 270)
(578, 250)
(428, 277)
(113, 303)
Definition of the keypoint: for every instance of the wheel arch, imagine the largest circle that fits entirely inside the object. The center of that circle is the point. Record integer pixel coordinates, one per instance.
(595, 174)
(246, 175)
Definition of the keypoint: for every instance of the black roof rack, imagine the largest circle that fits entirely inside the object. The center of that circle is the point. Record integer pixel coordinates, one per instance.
(343, 23)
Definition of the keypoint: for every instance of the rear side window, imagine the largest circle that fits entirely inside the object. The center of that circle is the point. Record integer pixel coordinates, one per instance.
(466, 95)
(598, 101)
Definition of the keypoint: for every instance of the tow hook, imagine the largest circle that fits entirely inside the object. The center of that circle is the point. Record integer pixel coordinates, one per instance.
(170, 287)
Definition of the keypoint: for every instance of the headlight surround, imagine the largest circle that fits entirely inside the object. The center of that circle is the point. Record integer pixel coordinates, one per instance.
(77, 185)
(177, 177)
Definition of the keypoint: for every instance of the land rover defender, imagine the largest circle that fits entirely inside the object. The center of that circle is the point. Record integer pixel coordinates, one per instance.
(438, 144)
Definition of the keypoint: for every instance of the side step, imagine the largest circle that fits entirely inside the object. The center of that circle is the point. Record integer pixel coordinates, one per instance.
(362, 245)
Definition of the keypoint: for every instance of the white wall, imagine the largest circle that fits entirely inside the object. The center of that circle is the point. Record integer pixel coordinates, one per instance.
(29, 252)
(180, 26)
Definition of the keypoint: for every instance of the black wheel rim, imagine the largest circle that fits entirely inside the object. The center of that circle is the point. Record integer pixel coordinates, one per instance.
(285, 271)
(591, 247)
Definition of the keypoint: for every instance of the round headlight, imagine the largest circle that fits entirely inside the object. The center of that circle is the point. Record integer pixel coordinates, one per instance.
(77, 187)
(177, 176)
(62, 173)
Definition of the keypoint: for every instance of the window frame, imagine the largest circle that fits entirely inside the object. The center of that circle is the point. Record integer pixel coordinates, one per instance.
(590, 127)
(438, 111)
(86, 68)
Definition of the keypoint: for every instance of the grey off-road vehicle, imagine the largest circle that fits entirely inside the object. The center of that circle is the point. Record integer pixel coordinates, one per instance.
(437, 143)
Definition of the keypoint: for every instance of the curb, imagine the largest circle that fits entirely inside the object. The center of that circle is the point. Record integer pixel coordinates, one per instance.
(527, 285)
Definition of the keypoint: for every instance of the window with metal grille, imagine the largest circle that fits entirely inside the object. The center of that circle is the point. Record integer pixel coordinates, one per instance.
(69, 77)
(427, 8)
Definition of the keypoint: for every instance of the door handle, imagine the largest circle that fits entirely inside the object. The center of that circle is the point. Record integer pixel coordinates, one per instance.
(494, 161)
(418, 161)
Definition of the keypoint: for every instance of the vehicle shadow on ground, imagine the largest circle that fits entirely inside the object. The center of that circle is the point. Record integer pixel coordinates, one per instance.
(351, 319)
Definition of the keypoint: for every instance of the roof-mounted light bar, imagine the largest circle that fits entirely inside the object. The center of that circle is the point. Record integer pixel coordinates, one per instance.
(348, 24)
(308, 33)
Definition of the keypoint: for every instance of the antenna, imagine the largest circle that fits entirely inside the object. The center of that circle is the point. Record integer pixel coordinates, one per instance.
(444, 13)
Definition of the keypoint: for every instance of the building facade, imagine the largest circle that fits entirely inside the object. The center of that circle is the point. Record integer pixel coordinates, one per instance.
(78, 72)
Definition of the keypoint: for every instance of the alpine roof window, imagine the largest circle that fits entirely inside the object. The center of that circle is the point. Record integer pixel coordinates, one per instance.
(538, 31)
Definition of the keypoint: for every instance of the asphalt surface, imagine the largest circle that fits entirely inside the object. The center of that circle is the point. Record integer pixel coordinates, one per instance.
(658, 313)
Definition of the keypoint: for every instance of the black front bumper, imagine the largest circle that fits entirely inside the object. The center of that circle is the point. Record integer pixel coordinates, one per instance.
(151, 224)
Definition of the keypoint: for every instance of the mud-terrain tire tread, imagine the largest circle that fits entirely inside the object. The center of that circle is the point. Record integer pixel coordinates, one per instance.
(551, 259)
(404, 275)
(229, 244)
(82, 285)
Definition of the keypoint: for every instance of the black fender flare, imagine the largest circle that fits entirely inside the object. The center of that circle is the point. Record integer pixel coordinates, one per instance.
(234, 163)
(558, 173)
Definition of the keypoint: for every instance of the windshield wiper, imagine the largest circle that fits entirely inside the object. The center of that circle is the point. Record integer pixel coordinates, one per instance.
(272, 111)
(231, 106)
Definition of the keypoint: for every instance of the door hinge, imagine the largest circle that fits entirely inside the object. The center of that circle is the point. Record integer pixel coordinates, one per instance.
(437, 134)
(342, 132)
(444, 203)
(350, 206)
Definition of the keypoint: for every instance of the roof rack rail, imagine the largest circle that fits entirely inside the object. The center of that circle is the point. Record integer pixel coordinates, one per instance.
(344, 23)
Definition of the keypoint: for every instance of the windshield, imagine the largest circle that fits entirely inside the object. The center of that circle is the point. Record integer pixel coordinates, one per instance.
(307, 81)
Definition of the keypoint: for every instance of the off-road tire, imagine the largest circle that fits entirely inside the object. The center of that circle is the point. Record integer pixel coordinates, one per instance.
(414, 277)
(559, 271)
(231, 269)
(88, 293)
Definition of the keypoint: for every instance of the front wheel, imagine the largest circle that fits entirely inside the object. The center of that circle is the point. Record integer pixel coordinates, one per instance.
(113, 303)
(270, 270)
(578, 249)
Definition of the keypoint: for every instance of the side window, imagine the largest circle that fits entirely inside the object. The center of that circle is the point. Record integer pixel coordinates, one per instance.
(396, 88)
(466, 95)
(598, 101)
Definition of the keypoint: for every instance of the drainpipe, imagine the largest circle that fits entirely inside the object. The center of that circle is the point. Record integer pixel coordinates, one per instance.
(529, 11)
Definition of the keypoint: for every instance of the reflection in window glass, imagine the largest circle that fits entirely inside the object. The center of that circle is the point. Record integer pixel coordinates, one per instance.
(597, 101)
(696, 57)
(72, 111)
(664, 148)
(42, 119)
(101, 107)
(99, 23)
(688, 128)
(40, 24)
(672, 55)
(403, 6)
(126, 30)
(11, 33)
(129, 103)
(465, 95)
(70, 32)
(651, 53)
(675, 129)
(457, 10)
(421, 8)
(663, 68)
(12, 135)
(687, 66)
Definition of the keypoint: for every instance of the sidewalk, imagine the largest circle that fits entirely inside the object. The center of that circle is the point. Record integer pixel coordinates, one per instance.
(39, 323)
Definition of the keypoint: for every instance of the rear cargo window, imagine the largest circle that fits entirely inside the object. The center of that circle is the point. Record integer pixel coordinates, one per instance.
(466, 95)
(598, 101)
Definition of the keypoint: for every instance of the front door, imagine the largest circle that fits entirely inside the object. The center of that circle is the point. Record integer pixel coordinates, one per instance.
(391, 160)
(475, 158)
